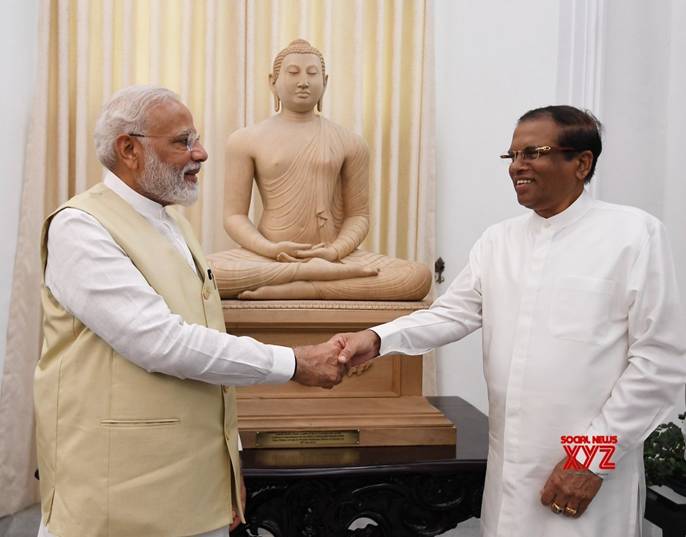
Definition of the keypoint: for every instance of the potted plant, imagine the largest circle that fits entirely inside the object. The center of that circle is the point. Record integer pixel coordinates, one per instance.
(663, 456)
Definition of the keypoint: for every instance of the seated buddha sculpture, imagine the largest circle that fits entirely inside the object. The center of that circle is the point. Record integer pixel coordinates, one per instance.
(312, 176)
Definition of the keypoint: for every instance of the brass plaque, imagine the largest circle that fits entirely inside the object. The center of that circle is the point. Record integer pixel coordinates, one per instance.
(296, 439)
(326, 456)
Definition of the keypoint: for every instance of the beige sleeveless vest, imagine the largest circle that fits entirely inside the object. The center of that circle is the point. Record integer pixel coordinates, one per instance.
(123, 452)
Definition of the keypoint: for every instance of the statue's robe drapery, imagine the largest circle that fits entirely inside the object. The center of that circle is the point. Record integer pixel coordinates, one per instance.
(308, 204)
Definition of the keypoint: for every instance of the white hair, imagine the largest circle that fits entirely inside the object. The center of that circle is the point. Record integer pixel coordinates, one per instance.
(125, 113)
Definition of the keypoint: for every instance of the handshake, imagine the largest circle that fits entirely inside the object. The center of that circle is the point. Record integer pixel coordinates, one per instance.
(325, 364)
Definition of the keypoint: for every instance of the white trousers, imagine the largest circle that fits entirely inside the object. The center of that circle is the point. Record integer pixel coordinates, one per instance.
(220, 532)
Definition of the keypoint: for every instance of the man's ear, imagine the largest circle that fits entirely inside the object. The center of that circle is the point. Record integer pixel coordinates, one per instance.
(584, 164)
(128, 152)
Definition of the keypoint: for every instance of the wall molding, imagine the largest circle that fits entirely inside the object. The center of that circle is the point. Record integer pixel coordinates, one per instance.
(580, 57)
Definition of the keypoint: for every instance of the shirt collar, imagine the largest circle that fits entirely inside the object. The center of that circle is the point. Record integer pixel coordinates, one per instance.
(572, 213)
(145, 206)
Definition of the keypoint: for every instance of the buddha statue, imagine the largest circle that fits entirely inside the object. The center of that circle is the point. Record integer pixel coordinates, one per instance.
(312, 176)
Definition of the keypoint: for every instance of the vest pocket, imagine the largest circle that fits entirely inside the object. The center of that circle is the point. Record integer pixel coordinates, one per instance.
(161, 422)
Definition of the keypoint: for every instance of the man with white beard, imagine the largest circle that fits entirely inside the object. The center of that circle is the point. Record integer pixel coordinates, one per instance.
(135, 407)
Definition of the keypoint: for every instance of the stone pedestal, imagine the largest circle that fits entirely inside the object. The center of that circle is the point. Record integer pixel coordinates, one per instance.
(378, 405)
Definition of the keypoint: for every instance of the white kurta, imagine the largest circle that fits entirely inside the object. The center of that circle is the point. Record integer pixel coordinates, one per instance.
(583, 333)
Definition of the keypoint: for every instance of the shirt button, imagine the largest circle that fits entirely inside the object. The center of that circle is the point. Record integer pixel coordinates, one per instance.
(206, 293)
(226, 389)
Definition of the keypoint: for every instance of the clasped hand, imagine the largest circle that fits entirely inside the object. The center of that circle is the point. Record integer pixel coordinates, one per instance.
(320, 365)
(296, 252)
(325, 364)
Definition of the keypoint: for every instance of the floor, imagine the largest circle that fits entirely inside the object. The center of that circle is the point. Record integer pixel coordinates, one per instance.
(25, 524)
(22, 524)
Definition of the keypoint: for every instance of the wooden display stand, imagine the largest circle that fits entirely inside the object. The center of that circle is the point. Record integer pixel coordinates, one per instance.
(377, 405)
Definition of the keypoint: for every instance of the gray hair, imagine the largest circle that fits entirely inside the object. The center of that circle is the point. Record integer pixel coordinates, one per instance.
(124, 113)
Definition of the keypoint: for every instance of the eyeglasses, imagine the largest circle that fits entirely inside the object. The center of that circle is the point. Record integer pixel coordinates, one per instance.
(532, 153)
(186, 141)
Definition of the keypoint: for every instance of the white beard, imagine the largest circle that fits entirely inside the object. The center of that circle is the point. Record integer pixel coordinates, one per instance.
(166, 183)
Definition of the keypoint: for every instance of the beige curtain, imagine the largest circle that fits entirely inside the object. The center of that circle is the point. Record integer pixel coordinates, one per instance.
(216, 54)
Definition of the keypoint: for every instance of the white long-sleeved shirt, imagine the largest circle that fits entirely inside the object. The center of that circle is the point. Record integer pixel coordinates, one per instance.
(93, 279)
(583, 334)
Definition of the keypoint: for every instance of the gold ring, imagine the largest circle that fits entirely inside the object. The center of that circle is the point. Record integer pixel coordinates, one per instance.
(556, 508)
(570, 510)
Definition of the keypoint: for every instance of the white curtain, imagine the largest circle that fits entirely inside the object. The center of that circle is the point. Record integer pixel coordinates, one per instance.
(17, 450)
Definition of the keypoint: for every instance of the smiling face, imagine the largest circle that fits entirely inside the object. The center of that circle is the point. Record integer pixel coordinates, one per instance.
(552, 182)
(300, 82)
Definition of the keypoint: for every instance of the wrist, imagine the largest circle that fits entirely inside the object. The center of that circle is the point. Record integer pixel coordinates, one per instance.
(336, 250)
(377, 342)
(295, 362)
(272, 250)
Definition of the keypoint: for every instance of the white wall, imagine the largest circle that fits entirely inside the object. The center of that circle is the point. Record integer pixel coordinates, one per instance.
(494, 61)
(643, 89)
(18, 35)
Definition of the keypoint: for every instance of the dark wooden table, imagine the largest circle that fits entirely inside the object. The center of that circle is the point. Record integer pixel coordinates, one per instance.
(403, 491)
(666, 510)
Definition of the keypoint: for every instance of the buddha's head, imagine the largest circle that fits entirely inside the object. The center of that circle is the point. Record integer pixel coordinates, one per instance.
(298, 78)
